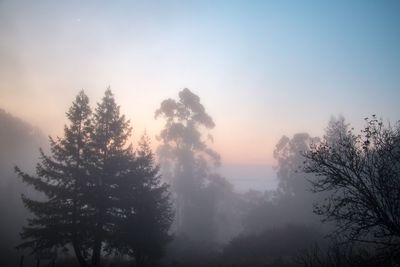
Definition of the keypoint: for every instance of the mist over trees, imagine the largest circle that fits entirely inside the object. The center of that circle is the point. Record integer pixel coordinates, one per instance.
(256, 218)
(205, 203)
(291, 202)
(186, 161)
(280, 223)
(97, 189)
(350, 183)
(99, 199)
(19, 142)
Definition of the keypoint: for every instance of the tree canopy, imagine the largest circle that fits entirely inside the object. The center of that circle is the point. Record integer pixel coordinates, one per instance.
(96, 187)
(203, 198)
(361, 174)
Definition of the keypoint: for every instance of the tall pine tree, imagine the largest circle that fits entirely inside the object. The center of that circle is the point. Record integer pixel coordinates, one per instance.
(145, 209)
(60, 218)
(99, 193)
(111, 161)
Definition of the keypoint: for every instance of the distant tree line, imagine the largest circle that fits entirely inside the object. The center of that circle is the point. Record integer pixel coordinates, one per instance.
(100, 195)
(351, 181)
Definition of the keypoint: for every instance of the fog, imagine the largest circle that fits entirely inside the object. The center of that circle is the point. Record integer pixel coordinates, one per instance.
(233, 214)
(199, 133)
(20, 144)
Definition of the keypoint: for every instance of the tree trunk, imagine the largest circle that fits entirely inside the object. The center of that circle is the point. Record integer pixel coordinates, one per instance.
(21, 262)
(96, 252)
(139, 259)
(96, 248)
(98, 238)
(75, 243)
(78, 254)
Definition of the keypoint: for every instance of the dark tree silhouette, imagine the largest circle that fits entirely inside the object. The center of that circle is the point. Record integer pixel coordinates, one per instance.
(111, 157)
(339, 254)
(271, 246)
(98, 195)
(59, 220)
(362, 175)
(145, 209)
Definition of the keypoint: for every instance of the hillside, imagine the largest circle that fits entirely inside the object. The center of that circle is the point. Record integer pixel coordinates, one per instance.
(19, 143)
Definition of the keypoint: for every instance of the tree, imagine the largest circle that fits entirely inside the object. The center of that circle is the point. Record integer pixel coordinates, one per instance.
(362, 175)
(62, 178)
(336, 130)
(186, 161)
(291, 202)
(95, 188)
(288, 154)
(145, 209)
(111, 158)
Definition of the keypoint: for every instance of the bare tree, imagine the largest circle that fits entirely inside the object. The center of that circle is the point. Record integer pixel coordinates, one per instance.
(338, 254)
(362, 175)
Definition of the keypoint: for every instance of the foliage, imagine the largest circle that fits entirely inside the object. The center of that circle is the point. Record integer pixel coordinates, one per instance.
(187, 162)
(95, 188)
(361, 173)
(61, 177)
(142, 232)
(183, 151)
(338, 254)
(110, 161)
(271, 245)
(291, 202)
(288, 154)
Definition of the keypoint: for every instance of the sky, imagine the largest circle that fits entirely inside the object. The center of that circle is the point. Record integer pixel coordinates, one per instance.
(262, 69)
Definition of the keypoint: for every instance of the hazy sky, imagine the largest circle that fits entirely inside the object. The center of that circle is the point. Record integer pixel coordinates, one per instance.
(261, 68)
